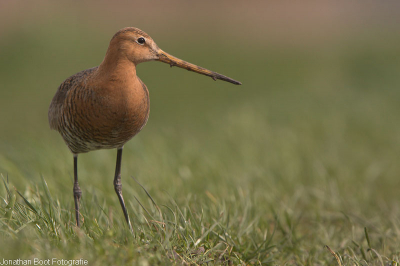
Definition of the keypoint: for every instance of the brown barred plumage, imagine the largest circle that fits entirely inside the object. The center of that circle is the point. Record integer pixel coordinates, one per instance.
(87, 119)
(105, 106)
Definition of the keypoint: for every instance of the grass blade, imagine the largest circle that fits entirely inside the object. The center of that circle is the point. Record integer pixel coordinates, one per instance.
(33, 209)
(335, 255)
(367, 237)
(10, 206)
(148, 194)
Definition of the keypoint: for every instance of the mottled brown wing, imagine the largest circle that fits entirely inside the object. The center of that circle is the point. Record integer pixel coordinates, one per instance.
(56, 106)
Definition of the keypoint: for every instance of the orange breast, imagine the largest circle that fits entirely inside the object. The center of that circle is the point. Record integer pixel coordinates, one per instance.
(106, 116)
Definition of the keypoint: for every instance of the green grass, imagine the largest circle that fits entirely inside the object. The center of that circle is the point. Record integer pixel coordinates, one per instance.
(298, 166)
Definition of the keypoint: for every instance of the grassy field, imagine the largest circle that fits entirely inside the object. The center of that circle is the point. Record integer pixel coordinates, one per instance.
(298, 166)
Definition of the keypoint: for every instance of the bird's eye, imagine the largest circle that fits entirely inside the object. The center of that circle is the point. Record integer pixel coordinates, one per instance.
(141, 40)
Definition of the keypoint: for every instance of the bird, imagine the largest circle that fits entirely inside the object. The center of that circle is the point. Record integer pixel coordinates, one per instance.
(105, 106)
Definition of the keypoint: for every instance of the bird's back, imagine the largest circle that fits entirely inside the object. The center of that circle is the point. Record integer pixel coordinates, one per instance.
(59, 100)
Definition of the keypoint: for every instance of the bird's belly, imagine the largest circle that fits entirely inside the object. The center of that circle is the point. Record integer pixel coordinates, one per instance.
(106, 124)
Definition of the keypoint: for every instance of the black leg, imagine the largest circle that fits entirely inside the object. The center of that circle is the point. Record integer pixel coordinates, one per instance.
(77, 190)
(118, 187)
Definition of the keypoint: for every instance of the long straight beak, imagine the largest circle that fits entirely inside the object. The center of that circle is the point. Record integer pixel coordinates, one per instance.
(173, 61)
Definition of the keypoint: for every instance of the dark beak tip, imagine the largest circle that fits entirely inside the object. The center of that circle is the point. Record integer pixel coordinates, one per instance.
(235, 82)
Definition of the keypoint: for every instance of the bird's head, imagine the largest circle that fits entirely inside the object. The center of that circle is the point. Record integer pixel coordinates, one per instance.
(138, 47)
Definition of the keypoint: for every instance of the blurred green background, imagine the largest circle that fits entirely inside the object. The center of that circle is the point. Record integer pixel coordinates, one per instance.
(302, 65)
(318, 110)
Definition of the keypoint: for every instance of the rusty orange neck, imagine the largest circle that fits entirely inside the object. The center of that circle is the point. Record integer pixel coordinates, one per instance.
(116, 67)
